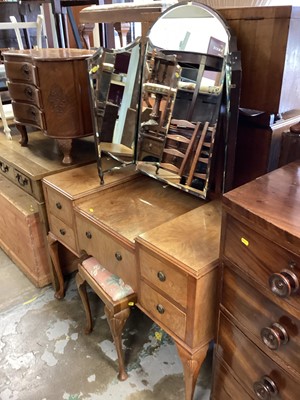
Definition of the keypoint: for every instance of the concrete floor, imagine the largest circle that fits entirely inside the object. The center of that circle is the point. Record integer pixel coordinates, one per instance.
(44, 354)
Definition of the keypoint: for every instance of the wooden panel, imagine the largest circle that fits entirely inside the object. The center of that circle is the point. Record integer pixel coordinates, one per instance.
(258, 257)
(225, 387)
(173, 282)
(245, 303)
(268, 40)
(109, 252)
(250, 364)
(170, 316)
(22, 233)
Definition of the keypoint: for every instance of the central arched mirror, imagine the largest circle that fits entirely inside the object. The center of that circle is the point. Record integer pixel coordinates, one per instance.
(181, 88)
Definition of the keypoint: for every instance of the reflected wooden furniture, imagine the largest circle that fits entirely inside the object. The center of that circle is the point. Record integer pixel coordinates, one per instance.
(258, 329)
(117, 296)
(49, 90)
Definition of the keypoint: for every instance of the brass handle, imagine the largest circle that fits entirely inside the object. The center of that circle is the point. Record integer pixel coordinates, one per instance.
(4, 168)
(62, 231)
(274, 336)
(265, 389)
(118, 256)
(58, 205)
(22, 181)
(284, 284)
(161, 276)
(28, 92)
(25, 69)
(88, 235)
(160, 308)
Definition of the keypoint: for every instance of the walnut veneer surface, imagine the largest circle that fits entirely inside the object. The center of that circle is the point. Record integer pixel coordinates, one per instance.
(258, 331)
(161, 241)
(49, 90)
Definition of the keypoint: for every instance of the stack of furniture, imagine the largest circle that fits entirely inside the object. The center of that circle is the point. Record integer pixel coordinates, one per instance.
(257, 352)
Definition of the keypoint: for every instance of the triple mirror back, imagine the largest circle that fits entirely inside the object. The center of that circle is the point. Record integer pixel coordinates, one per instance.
(157, 101)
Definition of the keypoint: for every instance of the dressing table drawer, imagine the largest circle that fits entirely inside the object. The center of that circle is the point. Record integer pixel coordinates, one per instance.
(109, 251)
(271, 266)
(24, 93)
(168, 279)
(20, 71)
(276, 329)
(28, 113)
(163, 310)
(23, 181)
(252, 366)
(63, 232)
(59, 206)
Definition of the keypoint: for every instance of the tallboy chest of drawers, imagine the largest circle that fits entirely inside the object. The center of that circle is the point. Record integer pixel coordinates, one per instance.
(257, 354)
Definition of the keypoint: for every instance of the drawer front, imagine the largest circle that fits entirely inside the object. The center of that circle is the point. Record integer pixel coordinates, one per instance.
(225, 387)
(63, 232)
(170, 280)
(163, 310)
(251, 365)
(270, 265)
(59, 206)
(23, 181)
(152, 146)
(277, 330)
(25, 93)
(28, 114)
(7, 170)
(20, 71)
(107, 250)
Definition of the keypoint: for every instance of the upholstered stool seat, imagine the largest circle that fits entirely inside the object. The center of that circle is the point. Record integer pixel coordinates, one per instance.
(116, 295)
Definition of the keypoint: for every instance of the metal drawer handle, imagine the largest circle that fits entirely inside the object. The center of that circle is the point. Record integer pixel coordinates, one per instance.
(62, 231)
(4, 168)
(160, 308)
(25, 69)
(28, 92)
(274, 336)
(161, 276)
(22, 181)
(118, 256)
(265, 389)
(284, 284)
(58, 205)
(88, 235)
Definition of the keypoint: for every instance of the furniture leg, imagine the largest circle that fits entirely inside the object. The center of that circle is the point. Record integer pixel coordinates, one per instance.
(4, 121)
(191, 366)
(116, 323)
(65, 146)
(23, 132)
(81, 286)
(58, 282)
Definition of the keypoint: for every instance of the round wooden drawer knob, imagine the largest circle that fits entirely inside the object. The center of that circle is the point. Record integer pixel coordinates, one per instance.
(274, 336)
(58, 205)
(265, 389)
(118, 256)
(62, 231)
(88, 235)
(284, 284)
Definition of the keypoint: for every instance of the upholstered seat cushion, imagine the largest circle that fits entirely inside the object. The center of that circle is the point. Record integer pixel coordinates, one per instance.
(112, 284)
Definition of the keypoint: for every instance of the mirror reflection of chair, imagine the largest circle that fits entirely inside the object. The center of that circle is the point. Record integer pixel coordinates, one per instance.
(6, 112)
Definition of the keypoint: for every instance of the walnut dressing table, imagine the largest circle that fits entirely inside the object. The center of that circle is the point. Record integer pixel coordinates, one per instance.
(49, 90)
(161, 241)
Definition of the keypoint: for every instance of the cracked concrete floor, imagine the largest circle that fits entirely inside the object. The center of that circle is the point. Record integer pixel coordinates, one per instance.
(44, 354)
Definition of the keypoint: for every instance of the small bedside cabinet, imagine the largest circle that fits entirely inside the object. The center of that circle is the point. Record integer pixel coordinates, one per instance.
(257, 353)
(49, 90)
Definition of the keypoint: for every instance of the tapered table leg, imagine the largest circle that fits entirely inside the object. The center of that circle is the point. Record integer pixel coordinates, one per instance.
(57, 272)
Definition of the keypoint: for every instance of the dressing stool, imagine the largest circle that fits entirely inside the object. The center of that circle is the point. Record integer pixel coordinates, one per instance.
(117, 297)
